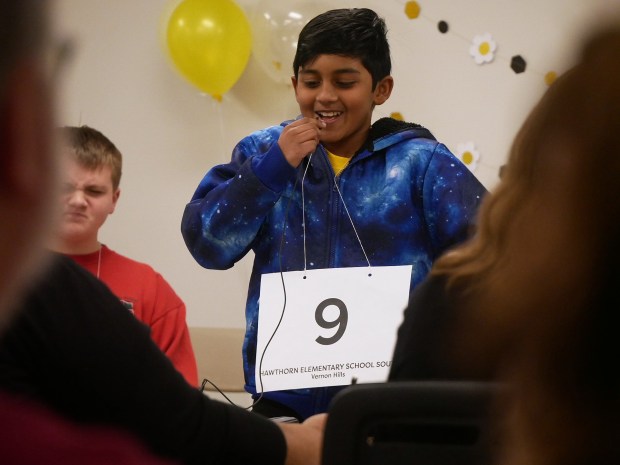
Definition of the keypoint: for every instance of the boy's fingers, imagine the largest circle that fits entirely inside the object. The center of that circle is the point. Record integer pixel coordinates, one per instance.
(304, 132)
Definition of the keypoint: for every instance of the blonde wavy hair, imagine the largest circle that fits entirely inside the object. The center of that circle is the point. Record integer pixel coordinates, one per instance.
(542, 270)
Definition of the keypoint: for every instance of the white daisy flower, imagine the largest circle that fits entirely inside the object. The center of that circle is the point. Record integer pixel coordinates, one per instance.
(467, 153)
(483, 49)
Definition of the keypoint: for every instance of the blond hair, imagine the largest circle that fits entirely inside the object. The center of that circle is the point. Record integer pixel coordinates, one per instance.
(92, 150)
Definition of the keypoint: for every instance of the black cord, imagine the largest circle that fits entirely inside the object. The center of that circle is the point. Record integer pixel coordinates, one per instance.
(260, 365)
(260, 377)
(204, 385)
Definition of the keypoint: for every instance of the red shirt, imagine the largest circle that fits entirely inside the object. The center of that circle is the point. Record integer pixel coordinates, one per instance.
(147, 295)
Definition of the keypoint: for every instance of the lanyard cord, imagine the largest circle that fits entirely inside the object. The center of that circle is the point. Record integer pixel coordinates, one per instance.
(303, 211)
(351, 220)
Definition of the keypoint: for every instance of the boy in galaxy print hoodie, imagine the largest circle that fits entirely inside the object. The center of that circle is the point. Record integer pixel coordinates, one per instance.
(409, 198)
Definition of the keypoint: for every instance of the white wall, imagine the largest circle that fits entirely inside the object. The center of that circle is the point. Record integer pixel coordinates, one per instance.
(121, 82)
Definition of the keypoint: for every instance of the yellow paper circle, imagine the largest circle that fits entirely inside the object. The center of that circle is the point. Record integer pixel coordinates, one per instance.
(550, 77)
(412, 10)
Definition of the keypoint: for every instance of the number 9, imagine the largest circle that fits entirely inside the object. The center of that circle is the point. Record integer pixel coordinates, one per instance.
(341, 321)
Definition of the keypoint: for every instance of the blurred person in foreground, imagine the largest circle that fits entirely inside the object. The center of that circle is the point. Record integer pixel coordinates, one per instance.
(533, 299)
(75, 369)
(31, 434)
(550, 313)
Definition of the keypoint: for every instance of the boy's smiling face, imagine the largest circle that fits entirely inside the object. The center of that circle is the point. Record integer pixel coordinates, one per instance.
(338, 90)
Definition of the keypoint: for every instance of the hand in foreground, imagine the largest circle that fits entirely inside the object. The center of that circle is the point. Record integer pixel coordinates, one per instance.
(304, 441)
(299, 139)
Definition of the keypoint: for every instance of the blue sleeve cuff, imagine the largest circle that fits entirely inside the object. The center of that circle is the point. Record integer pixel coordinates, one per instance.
(272, 168)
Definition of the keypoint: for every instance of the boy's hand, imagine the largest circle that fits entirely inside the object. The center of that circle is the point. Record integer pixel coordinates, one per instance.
(304, 442)
(299, 139)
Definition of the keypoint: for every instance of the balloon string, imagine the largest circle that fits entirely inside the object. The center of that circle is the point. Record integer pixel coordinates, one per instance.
(220, 116)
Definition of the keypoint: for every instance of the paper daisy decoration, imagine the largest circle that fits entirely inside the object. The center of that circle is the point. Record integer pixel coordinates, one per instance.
(483, 49)
(467, 153)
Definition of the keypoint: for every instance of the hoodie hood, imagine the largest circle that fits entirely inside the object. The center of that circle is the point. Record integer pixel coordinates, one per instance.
(389, 131)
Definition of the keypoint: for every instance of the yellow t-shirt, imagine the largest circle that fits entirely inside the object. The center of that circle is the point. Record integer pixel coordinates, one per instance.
(338, 163)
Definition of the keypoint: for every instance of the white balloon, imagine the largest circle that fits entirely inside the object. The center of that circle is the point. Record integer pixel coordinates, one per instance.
(275, 28)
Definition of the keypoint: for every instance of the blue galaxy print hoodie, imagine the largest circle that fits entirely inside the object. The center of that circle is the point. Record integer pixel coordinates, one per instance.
(408, 196)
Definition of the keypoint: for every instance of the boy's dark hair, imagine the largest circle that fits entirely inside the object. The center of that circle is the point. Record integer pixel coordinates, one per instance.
(351, 32)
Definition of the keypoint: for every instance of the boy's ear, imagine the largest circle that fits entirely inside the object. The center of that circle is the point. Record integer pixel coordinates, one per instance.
(294, 82)
(115, 197)
(383, 90)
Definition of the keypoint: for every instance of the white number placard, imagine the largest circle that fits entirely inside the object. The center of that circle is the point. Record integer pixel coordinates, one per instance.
(326, 327)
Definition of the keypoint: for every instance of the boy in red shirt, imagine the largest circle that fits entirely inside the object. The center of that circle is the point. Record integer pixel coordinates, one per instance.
(91, 178)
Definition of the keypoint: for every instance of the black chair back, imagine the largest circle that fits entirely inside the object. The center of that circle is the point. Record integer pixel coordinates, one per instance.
(411, 422)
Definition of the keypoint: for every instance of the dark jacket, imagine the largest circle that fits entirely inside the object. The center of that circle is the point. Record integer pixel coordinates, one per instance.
(75, 348)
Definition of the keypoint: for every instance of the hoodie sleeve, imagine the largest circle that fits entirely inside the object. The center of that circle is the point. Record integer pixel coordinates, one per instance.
(226, 212)
(451, 196)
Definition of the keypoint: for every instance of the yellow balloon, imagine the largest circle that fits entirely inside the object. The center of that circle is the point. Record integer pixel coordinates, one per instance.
(210, 43)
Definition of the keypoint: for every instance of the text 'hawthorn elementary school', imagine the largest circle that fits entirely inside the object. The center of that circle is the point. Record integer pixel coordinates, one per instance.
(326, 368)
